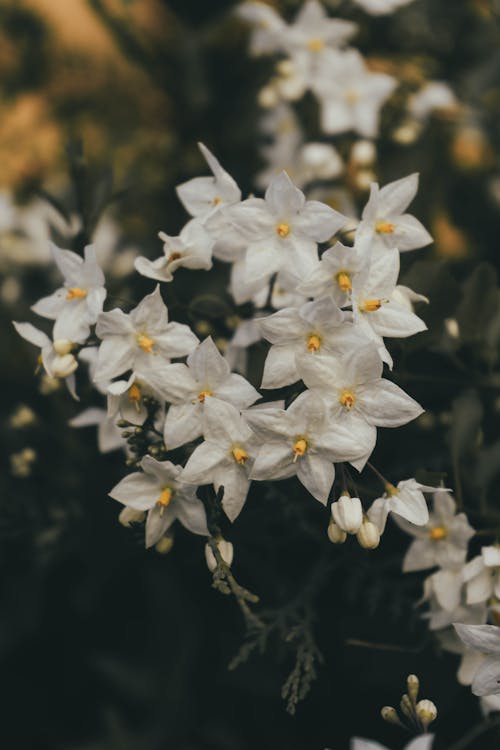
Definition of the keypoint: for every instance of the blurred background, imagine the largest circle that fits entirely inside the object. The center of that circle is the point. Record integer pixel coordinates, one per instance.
(105, 646)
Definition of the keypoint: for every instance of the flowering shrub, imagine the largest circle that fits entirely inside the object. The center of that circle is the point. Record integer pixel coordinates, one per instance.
(266, 396)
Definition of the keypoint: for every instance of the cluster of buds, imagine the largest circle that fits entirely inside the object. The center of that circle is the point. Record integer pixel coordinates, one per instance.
(417, 714)
(348, 518)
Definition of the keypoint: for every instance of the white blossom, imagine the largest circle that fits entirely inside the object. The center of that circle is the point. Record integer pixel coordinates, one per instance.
(57, 362)
(109, 436)
(482, 576)
(141, 340)
(76, 305)
(226, 455)
(191, 249)
(384, 224)
(486, 640)
(158, 490)
(406, 500)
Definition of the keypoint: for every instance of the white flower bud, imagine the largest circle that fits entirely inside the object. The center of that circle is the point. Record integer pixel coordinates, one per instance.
(426, 712)
(364, 153)
(452, 328)
(130, 515)
(226, 551)
(62, 347)
(389, 713)
(267, 97)
(64, 366)
(368, 535)
(335, 534)
(165, 544)
(348, 513)
(413, 686)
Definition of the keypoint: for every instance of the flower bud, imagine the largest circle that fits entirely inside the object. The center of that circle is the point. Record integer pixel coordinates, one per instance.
(364, 153)
(426, 712)
(368, 535)
(62, 347)
(226, 551)
(389, 714)
(348, 513)
(130, 515)
(165, 544)
(335, 534)
(64, 366)
(413, 686)
(406, 706)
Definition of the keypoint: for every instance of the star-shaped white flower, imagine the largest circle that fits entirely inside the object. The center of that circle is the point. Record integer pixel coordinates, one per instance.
(406, 501)
(384, 223)
(303, 440)
(482, 576)
(225, 457)
(358, 397)
(188, 387)
(281, 232)
(335, 273)
(76, 305)
(202, 196)
(318, 326)
(444, 539)
(141, 340)
(376, 310)
(350, 95)
(191, 249)
(486, 639)
(157, 489)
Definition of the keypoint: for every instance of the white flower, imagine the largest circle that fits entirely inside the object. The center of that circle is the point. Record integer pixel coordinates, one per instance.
(126, 397)
(351, 96)
(188, 387)
(157, 489)
(486, 639)
(202, 196)
(281, 232)
(314, 327)
(269, 26)
(347, 513)
(56, 364)
(424, 742)
(482, 576)
(142, 340)
(375, 310)
(433, 96)
(385, 225)
(334, 274)
(303, 440)
(446, 586)
(444, 539)
(225, 457)
(359, 398)
(76, 305)
(191, 249)
(406, 500)
(381, 7)
(109, 437)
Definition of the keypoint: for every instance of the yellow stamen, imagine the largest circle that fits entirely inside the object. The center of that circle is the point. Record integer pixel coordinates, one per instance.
(344, 281)
(75, 292)
(283, 230)
(240, 455)
(384, 227)
(216, 201)
(299, 448)
(174, 256)
(203, 394)
(351, 97)
(316, 45)
(347, 399)
(371, 305)
(164, 499)
(313, 342)
(145, 342)
(438, 533)
(134, 394)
